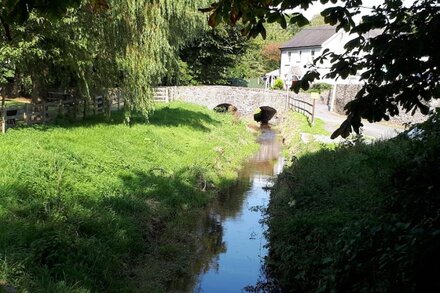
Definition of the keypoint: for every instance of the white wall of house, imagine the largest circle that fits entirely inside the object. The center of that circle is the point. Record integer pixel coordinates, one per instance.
(300, 58)
(296, 61)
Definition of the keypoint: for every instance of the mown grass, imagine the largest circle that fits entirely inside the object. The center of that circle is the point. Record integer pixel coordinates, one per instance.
(293, 125)
(97, 206)
(357, 219)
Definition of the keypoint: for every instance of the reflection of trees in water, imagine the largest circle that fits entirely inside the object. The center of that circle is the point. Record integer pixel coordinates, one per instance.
(212, 243)
(230, 201)
(208, 245)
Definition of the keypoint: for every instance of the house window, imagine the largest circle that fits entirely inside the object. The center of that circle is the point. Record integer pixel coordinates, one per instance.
(313, 54)
(300, 57)
(289, 57)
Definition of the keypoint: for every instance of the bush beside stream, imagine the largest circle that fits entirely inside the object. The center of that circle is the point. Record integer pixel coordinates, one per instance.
(363, 218)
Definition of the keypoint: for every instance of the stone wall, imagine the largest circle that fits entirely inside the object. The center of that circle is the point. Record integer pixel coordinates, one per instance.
(346, 93)
(247, 100)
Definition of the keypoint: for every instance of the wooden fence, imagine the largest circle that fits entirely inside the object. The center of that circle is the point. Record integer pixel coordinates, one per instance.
(66, 104)
(162, 94)
(59, 104)
(303, 106)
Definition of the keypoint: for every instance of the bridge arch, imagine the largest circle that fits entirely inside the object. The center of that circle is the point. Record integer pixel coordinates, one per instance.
(225, 107)
(265, 114)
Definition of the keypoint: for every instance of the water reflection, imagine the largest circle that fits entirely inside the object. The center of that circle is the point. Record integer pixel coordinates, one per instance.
(231, 247)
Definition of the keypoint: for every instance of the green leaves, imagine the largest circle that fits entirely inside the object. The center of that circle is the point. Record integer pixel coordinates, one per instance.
(209, 57)
(299, 19)
(306, 81)
(18, 11)
(345, 129)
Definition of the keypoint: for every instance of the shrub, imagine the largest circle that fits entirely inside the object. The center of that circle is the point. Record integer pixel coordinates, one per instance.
(320, 87)
(278, 84)
(360, 219)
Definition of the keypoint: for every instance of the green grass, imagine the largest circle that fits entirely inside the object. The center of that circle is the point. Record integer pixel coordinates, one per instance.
(293, 125)
(305, 126)
(85, 207)
(13, 103)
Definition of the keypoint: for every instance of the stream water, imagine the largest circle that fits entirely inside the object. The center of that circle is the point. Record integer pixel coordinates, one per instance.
(232, 242)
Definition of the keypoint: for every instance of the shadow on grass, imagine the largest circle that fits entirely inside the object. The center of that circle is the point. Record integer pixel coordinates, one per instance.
(141, 237)
(165, 116)
(181, 117)
(357, 219)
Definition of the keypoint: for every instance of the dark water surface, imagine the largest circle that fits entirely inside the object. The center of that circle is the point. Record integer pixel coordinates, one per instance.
(231, 235)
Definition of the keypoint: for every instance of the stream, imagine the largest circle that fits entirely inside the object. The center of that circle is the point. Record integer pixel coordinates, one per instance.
(232, 242)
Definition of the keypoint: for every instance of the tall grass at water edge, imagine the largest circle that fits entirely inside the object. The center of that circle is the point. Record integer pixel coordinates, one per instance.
(363, 218)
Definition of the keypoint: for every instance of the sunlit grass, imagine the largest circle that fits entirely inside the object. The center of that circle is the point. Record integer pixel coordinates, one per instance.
(10, 103)
(80, 203)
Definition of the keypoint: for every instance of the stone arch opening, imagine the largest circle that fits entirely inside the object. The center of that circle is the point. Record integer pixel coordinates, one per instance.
(225, 108)
(265, 114)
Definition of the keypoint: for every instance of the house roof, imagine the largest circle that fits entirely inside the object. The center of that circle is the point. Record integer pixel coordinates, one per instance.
(310, 37)
(276, 72)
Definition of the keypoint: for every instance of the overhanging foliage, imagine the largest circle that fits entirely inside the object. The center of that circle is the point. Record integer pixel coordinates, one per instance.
(399, 66)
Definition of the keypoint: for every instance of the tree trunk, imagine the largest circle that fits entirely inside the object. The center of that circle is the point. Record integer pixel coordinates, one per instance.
(4, 92)
(84, 89)
(16, 86)
(36, 88)
(7, 29)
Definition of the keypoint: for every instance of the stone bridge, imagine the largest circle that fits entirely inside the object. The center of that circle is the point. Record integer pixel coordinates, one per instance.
(246, 100)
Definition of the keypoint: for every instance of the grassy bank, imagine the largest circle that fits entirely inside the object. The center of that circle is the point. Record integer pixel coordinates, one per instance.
(106, 207)
(358, 219)
(293, 127)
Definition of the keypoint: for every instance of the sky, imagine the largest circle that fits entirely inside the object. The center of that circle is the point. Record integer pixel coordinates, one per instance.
(318, 7)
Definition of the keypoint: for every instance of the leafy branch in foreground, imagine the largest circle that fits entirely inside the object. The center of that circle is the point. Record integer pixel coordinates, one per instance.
(393, 48)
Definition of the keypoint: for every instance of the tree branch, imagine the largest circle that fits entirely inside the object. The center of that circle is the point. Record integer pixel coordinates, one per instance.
(7, 29)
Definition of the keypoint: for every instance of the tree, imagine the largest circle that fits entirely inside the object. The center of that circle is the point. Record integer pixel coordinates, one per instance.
(147, 36)
(96, 44)
(399, 66)
(209, 56)
(271, 52)
(259, 58)
(19, 11)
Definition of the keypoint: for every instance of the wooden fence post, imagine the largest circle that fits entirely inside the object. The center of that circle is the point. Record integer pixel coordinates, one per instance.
(60, 107)
(313, 111)
(4, 121)
(26, 114)
(44, 111)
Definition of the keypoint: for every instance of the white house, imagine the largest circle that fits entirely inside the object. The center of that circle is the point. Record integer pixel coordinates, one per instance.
(298, 53)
